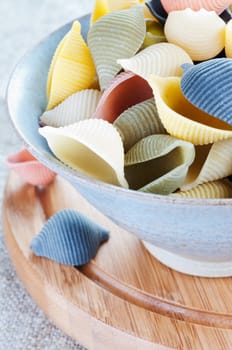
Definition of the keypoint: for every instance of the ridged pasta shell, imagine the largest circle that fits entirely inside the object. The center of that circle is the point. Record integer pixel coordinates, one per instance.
(148, 14)
(30, 169)
(228, 40)
(208, 86)
(181, 118)
(210, 5)
(158, 164)
(118, 34)
(87, 147)
(157, 10)
(200, 33)
(212, 162)
(115, 5)
(125, 90)
(163, 59)
(69, 238)
(154, 33)
(214, 189)
(76, 107)
(72, 68)
(101, 8)
(138, 122)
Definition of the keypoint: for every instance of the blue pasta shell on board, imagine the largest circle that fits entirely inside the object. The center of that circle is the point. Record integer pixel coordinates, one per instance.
(69, 238)
(208, 86)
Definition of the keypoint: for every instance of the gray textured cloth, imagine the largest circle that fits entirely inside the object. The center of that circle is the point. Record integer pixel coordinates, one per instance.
(23, 23)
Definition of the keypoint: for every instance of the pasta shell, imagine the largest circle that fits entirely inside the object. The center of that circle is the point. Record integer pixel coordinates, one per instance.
(163, 59)
(228, 40)
(212, 162)
(126, 90)
(118, 34)
(157, 10)
(72, 68)
(210, 5)
(138, 122)
(84, 146)
(158, 164)
(154, 33)
(30, 169)
(181, 118)
(203, 36)
(115, 5)
(148, 14)
(101, 8)
(76, 107)
(208, 86)
(69, 238)
(214, 189)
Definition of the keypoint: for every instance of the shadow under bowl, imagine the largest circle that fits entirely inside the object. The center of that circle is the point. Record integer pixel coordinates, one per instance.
(189, 235)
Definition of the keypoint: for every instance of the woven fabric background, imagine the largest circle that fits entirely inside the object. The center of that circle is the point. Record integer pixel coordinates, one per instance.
(23, 23)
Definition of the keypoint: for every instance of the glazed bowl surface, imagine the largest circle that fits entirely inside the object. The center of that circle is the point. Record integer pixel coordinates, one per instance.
(190, 235)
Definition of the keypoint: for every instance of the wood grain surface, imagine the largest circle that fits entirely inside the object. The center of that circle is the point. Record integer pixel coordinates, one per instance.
(124, 298)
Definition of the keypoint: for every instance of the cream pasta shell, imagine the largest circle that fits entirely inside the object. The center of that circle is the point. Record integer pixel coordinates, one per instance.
(91, 146)
(181, 118)
(163, 59)
(212, 162)
(200, 33)
(76, 107)
(214, 189)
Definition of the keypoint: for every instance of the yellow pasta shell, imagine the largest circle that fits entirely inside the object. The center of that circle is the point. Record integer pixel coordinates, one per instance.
(214, 189)
(101, 8)
(228, 40)
(76, 107)
(115, 5)
(84, 146)
(72, 68)
(182, 119)
(212, 162)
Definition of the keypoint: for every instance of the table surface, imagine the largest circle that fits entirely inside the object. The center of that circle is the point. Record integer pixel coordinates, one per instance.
(23, 23)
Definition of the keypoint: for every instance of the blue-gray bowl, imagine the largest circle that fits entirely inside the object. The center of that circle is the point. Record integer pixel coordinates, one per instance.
(189, 235)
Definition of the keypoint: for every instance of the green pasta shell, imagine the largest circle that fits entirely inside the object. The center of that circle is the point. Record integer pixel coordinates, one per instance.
(115, 35)
(137, 122)
(158, 164)
(215, 189)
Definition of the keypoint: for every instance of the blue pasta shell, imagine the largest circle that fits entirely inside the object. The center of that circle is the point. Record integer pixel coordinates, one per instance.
(208, 86)
(69, 238)
(156, 8)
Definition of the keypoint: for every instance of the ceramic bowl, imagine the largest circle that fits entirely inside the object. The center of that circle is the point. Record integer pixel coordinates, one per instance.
(189, 235)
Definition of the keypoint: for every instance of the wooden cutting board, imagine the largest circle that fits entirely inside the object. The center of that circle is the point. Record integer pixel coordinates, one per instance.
(124, 298)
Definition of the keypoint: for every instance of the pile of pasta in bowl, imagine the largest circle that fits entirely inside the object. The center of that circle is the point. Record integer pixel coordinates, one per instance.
(145, 102)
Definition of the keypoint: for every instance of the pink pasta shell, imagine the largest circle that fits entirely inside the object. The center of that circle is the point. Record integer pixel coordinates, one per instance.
(126, 90)
(30, 169)
(210, 5)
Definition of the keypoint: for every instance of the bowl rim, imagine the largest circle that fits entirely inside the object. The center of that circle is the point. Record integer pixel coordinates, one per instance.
(75, 176)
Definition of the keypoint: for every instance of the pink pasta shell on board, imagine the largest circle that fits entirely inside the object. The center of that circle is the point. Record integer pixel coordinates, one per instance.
(210, 5)
(126, 90)
(30, 169)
